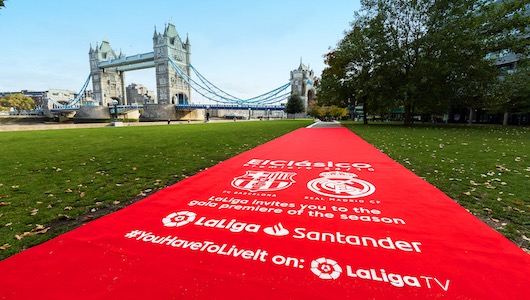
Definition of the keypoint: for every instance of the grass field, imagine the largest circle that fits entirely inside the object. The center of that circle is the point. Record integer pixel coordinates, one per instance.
(486, 169)
(54, 180)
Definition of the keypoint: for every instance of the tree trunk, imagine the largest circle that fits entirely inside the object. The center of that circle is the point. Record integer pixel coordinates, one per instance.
(408, 109)
(365, 119)
(470, 121)
(407, 118)
(505, 119)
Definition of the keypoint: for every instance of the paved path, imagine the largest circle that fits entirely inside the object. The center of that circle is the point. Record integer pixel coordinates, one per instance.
(55, 126)
(320, 124)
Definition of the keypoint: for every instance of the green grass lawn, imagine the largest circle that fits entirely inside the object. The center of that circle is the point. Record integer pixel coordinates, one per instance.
(486, 169)
(54, 180)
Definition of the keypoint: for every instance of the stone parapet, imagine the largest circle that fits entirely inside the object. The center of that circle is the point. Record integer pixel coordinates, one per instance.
(92, 113)
(158, 112)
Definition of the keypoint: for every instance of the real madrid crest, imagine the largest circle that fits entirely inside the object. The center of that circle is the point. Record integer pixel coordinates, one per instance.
(340, 185)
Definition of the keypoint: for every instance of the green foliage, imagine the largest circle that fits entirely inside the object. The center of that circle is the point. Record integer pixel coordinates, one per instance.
(484, 168)
(509, 34)
(316, 111)
(506, 26)
(511, 92)
(423, 56)
(294, 104)
(19, 102)
(63, 175)
(457, 73)
(332, 111)
(337, 112)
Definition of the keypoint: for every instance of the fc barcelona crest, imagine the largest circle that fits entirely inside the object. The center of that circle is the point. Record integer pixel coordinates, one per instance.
(262, 181)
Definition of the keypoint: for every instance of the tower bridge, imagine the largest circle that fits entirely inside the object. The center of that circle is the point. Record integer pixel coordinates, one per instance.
(176, 80)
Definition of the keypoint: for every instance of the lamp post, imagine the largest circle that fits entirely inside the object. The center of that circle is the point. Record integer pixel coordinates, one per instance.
(115, 104)
(116, 121)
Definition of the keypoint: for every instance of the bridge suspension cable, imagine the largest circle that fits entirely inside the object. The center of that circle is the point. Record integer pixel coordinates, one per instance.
(211, 92)
(74, 102)
(210, 86)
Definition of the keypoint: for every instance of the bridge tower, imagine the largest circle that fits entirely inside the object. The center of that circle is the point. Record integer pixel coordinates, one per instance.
(108, 82)
(303, 84)
(171, 88)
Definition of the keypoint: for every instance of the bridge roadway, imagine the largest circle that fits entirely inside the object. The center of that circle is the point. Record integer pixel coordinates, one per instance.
(129, 63)
(230, 106)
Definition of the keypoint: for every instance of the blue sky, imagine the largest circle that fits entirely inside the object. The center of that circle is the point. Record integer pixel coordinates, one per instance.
(244, 47)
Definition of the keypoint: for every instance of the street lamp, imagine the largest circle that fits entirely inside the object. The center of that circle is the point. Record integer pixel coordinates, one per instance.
(115, 104)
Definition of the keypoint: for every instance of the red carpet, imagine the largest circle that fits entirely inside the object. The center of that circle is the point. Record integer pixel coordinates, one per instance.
(315, 214)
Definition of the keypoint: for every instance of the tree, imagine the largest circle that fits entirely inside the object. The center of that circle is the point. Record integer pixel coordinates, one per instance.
(508, 36)
(511, 92)
(400, 31)
(380, 54)
(332, 111)
(506, 26)
(316, 111)
(463, 77)
(354, 76)
(19, 102)
(294, 104)
(422, 56)
(337, 112)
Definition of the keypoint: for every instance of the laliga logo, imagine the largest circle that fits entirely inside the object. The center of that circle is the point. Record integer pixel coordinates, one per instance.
(178, 219)
(341, 185)
(326, 268)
